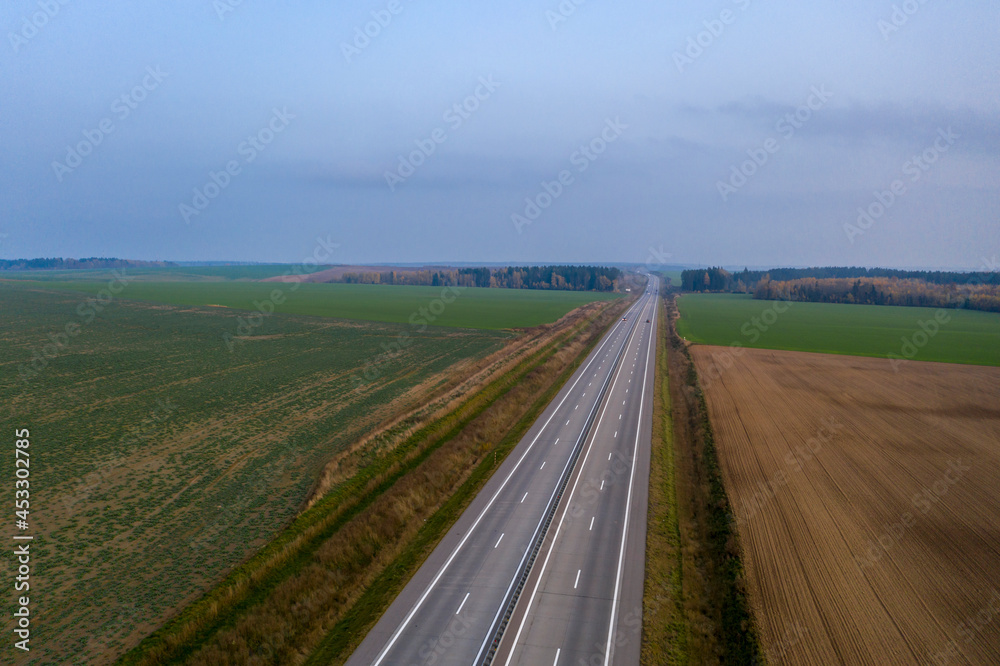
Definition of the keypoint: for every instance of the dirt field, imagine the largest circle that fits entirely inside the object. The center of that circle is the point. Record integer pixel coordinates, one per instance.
(866, 501)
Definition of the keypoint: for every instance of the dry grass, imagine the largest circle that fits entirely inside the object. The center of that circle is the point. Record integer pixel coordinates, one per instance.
(867, 504)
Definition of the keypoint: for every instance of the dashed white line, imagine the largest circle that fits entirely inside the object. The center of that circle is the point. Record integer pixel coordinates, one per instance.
(602, 484)
(577, 582)
(616, 433)
(498, 541)
(609, 455)
(555, 442)
(523, 498)
(543, 465)
(567, 421)
(592, 523)
(556, 661)
(463, 603)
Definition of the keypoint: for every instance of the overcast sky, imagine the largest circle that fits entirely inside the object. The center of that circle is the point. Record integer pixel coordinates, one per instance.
(642, 131)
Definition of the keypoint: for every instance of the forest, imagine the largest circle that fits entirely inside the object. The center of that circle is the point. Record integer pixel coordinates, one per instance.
(882, 291)
(570, 278)
(745, 281)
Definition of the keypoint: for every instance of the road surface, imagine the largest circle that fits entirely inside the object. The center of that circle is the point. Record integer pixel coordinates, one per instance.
(546, 565)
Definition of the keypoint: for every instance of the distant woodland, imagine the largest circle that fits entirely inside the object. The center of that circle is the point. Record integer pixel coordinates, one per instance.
(572, 278)
(877, 286)
(61, 264)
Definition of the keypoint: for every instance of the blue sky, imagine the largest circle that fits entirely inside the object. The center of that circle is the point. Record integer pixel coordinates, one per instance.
(589, 132)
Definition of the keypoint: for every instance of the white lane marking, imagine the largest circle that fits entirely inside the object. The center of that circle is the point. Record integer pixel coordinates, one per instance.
(623, 402)
(543, 465)
(556, 660)
(523, 498)
(619, 417)
(451, 558)
(602, 484)
(569, 502)
(463, 603)
(609, 455)
(577, 407)
(498, 541)
(592, 522)
(555, 442)
(567, 421)
(616, 433)
(577, 582)
(628, 511)
(584, 395)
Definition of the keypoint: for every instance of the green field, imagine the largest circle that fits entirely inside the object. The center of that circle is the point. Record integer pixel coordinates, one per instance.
(166, 273)
(861, 330)
(160, 459)
(471, 308)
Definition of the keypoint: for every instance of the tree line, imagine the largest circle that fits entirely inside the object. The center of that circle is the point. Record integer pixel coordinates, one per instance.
(571, 278)
(60, 263)
(745, 281)
(882, 291)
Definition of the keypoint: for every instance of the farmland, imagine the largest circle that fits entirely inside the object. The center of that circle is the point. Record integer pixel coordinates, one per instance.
(469, 307)
(865, 502)
(899, 333)
(162, 458)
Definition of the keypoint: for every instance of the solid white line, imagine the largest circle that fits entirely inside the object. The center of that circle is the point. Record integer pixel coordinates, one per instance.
(569, 502)
(498, 541)
(577, 579)
(628, 510)
(461, 544)
(523, 498)
(463, 603)
(591, 523)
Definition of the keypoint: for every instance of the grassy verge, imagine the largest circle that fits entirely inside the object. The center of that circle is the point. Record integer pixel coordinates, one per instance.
(347, 634)
(715, 600)
(348, 538)
(664, 627)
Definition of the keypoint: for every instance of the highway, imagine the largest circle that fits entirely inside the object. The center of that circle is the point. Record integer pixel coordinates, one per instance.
(546, 565)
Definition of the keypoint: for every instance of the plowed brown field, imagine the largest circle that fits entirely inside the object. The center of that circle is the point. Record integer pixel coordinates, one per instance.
(867, 503)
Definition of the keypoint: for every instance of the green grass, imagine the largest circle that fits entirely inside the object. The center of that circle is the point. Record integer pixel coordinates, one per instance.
(861, 330)
(162, 459)
(471, 308)
(166, 273)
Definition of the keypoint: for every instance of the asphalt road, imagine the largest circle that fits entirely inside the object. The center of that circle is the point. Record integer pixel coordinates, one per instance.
(583, 595)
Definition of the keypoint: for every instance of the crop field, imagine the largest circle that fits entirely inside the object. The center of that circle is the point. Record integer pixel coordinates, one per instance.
(866, 504)
(469, 307)
(889, 332)
(161, 457)
(165, 273)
